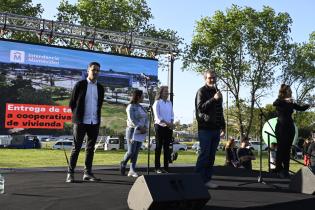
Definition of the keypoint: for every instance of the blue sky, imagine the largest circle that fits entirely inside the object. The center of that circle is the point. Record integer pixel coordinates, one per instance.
(181, 16)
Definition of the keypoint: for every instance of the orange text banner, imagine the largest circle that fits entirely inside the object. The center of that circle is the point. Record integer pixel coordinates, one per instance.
(36, 116)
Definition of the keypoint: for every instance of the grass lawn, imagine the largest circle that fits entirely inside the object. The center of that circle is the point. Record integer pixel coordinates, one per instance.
(27, 158)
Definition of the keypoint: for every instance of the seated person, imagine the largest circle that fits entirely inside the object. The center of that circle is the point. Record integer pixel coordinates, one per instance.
(311, 152)
(230, 154)
(273, 153)
(306, 157)
(245, 155)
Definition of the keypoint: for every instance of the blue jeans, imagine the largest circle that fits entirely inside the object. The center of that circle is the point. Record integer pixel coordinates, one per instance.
(132, 151)
(209, 141)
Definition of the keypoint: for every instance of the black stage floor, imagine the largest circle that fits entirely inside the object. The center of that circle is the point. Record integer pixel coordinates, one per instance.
(46, 189)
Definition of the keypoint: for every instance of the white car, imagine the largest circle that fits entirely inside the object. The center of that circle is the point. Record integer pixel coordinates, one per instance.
(176, 146)
(65, 144)
(196, 147)
(111, 144)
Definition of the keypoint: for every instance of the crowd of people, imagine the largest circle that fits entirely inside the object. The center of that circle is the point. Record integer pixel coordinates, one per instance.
(87, 100)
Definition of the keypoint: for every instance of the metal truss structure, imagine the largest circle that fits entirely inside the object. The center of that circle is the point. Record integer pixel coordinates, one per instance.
(53, 29)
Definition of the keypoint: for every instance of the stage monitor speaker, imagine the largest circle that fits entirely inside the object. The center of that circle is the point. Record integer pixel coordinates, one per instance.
(168, 191)
(303, 181)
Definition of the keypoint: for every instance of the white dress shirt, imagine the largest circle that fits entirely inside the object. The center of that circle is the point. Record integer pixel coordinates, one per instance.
(163, 110)
(91, 97)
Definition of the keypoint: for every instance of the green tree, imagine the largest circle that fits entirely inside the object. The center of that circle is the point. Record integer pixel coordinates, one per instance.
(244, 47)
(122, 16)
(21, 7)
(299, 70)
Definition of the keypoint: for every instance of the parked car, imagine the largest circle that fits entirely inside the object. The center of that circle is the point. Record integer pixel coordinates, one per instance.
(196, 147)
(63, 144)
(25, 142)
(5, 140)
(111, 143)
(176, 146)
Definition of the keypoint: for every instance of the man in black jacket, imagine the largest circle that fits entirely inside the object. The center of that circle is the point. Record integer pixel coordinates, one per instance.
(209, 115)
(86, 103)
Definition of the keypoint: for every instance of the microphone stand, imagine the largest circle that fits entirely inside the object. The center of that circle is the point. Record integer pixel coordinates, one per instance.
(260, 178)
(150, 110)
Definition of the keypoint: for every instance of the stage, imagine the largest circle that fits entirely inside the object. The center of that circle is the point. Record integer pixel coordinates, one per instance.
(45, 188)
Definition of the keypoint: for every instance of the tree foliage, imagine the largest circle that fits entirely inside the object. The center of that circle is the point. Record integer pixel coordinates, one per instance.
(130, 16)
(299, 70)
(243, 46)
(21, 7)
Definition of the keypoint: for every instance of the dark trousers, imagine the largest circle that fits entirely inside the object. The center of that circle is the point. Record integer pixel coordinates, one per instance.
(209, 141)
(285, 135)
(163, 137)
(79, 131)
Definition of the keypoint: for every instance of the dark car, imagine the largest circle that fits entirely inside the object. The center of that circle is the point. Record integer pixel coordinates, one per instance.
(25, 142)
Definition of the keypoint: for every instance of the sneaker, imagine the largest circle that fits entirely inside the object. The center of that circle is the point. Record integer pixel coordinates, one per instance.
(90, 177)
(211, 185)
(165, 171)
(122, 168)
(284, 175)
(158, 171)
(70, 178)
(133, 174)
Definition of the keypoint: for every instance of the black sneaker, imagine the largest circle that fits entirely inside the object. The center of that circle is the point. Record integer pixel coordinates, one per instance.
(284, 175)
(90, 177)
(70, 178)
(165, 171)
(122, 168)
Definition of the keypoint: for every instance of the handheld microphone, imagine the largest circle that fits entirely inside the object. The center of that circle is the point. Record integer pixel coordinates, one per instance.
(145, 76)
(216, 87)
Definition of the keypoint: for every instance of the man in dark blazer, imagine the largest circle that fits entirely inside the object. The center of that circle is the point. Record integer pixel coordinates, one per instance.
(86, 103)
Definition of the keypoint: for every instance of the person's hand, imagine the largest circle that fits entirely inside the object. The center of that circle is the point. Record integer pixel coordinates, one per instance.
(170, 125)
(143, 130)
(289, 100)
(222, 133)
(218, 95)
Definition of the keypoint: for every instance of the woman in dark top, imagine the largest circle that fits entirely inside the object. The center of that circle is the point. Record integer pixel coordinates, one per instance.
(230, 154)
(306, 157)
(285, 129)
(311, 152)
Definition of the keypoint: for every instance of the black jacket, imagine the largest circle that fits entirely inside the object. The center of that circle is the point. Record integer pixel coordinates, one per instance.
(209, 111)
(77, 101)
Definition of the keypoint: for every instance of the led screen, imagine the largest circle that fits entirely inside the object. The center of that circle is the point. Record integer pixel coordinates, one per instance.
(36, 82)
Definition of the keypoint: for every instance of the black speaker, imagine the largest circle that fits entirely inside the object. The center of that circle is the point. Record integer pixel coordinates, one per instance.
(303, 181)
(168, 191)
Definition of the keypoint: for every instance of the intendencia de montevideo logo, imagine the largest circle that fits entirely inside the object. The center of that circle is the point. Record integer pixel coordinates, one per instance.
(17, 56)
